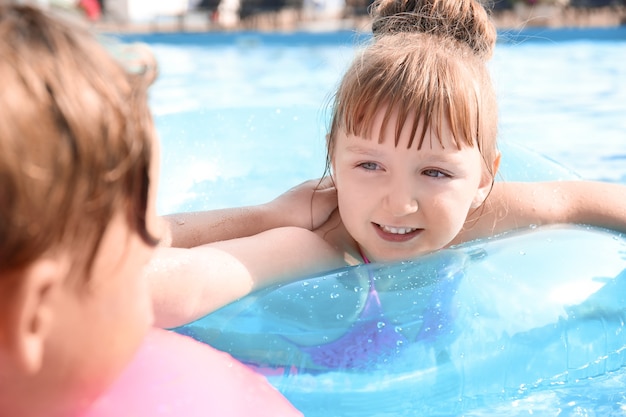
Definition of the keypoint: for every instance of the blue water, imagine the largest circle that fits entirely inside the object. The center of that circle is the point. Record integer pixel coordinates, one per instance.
(242, 117)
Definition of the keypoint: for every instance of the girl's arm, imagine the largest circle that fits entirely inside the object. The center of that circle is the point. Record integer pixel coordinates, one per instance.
(513, 205)
(307, 205)
(187, 284)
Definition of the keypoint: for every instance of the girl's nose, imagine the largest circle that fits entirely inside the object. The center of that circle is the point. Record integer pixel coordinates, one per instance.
(401, 199)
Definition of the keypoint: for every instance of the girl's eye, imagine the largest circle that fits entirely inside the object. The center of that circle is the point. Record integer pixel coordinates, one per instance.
(435, 173)
(370, 166)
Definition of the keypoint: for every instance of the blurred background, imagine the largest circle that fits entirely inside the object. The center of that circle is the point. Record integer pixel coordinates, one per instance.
(228, 15)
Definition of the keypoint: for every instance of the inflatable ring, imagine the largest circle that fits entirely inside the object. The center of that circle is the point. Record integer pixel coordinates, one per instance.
(485, 321)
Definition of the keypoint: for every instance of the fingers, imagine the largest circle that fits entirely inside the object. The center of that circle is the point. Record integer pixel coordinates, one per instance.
(325, 183)
(324, 202)
(328, 194)
(325, 193)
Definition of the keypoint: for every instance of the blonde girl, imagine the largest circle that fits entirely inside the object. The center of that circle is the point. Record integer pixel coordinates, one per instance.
(412, 154)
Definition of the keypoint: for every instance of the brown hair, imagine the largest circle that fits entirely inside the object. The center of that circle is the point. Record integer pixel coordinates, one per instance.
(76, 139)
(424, 75)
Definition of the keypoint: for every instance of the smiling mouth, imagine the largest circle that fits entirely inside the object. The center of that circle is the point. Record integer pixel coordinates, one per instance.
(396, 230)
(396, 234)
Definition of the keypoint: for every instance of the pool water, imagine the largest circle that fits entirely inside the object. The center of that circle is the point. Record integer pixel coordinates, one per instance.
(242, 117)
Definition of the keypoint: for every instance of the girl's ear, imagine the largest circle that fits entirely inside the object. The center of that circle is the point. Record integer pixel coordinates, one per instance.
(30, 310)
(486, 182)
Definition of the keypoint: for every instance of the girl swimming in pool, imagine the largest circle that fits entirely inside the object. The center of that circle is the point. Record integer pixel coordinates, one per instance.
(412, 153)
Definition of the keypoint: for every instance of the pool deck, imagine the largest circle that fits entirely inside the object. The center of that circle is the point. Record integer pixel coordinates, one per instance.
(291, 20)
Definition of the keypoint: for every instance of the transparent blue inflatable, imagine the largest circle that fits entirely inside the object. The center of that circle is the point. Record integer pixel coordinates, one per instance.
(442, 334)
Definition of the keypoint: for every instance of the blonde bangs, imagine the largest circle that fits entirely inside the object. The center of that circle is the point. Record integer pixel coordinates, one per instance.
(417, 78)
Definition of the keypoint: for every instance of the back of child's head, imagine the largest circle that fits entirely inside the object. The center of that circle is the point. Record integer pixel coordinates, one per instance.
(424, 72)
(76, 140)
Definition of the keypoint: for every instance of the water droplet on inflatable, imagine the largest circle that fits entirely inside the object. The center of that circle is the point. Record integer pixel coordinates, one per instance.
(339, 316)
(380, 324)
(522, 252)
(334, 295)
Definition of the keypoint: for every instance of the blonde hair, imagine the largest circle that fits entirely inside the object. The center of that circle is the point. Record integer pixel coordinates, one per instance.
(76, 139)
(430, 77)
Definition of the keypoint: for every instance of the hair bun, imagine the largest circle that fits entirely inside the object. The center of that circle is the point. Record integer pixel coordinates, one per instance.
(467, 21)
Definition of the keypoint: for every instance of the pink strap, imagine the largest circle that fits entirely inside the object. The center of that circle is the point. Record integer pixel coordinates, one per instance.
(365, 260)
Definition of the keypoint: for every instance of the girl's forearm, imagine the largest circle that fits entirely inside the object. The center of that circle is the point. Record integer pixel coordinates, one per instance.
(599, 204)
(514, 205)
(306, 205)
(187, 230)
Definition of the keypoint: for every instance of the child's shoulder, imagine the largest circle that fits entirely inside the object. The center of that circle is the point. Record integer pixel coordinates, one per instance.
(172, 375)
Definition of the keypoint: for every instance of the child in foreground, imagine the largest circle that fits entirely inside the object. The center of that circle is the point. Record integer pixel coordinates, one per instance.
(78, 170)
(412, 153)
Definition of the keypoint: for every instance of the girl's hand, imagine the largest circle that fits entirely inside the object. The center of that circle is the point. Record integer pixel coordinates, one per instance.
(307, 205)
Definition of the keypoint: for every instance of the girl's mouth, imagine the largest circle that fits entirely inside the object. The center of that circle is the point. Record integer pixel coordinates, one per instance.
(396, 234)
(396, 230)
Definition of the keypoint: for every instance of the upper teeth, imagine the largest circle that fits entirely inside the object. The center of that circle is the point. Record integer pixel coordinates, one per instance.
(397, 230)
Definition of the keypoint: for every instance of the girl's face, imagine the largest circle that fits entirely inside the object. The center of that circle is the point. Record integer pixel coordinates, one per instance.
(397, 202)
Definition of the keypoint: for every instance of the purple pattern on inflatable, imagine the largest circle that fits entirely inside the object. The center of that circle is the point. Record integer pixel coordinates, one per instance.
(438, 316)
(372, 340)
(368, 341)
